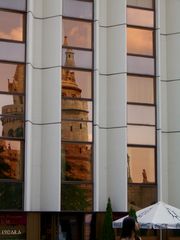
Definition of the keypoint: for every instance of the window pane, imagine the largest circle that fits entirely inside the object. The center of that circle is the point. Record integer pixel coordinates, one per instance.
(11, 196)
(140, 3)
(15, 4)
(76, 197)
(77, 33)
(140, 65)
(76, 163)
(138, 114)
(140, 89)
(144, 135)
(76, 8)
(12, 51)
(11, 26)
(12, 77)
(77, 58)
(139, 41)
(11, 158)
(141, 196)
(141, 165)
(140, 17)
(11, 104)
(73, 109)
(76, 131)
(81, 82)
(11, 126)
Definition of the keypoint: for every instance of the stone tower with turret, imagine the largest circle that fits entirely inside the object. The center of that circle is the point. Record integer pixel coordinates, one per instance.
(77, 156)
(12, 125)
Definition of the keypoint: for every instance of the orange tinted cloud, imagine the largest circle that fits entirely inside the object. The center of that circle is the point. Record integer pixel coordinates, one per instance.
(15, 34)
(139, 41)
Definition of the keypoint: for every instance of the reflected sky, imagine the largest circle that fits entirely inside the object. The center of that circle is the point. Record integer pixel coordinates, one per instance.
(83, 59)
(79, 33)
(140, 65)
(15, 4)
(140, 3)
(12, 51)
(140, 89)
(11, 26)
(140, 17)
(79, 9)
(7, 71)
(141, 158)
(144, 135)
(139, 41)
(138, 114)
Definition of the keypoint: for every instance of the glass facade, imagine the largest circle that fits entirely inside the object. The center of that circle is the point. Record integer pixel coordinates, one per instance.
(12, 104)
(141, 104)
(77, 106)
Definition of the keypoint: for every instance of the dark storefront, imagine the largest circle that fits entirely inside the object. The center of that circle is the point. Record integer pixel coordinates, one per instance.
(13, 226)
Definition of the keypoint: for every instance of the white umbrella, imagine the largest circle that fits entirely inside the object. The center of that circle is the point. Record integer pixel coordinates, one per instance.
(158, 216)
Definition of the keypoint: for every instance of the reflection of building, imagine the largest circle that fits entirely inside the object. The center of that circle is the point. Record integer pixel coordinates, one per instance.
(12, 124)
(77, 155)
(9, 157)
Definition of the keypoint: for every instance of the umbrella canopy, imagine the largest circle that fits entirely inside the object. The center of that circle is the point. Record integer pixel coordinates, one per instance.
(158, 216)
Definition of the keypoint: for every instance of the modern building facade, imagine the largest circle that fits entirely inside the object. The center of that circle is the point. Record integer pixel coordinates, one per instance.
(89, 94)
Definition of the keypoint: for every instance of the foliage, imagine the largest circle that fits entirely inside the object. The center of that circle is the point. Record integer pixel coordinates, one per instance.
(10, 196)
(132, 213)
(4, 167)
(74, 198)
(107, 230)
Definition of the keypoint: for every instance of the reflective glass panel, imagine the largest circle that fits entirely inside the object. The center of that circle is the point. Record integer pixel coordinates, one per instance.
(76, 197)
(76, 162)
(140, 3)
(141, 65)
(138, 114)
(11, 26)
(15, 4)
(11, 196)
(140, 41)
(140, 89)
(141, 196)
(81, 80)
(11, 126)
(11, 158)
(141, 165)
(77, 33)
(76, 131)
(77, 58)
(11, 104)
(144, 135)
(140, 17)
(12, 77)
(73, 109)
(76, 8)
(12, 51)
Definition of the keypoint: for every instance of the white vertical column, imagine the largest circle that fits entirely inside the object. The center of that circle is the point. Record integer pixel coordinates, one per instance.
(42, 178)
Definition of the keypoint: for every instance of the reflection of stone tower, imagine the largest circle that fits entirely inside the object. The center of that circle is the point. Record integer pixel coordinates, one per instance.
(9, 157)
(129, 169)
(77, 156)
(12, 124)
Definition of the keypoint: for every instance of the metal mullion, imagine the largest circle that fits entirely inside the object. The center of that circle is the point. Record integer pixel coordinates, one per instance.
(142, 104)
(77, 48)
(78, 19)
(140, 55)
(13, 10)
(141, 27)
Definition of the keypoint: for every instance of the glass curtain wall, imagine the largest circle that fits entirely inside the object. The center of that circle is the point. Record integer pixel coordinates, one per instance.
(141, 104)
(12, 102)
(77, 106)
